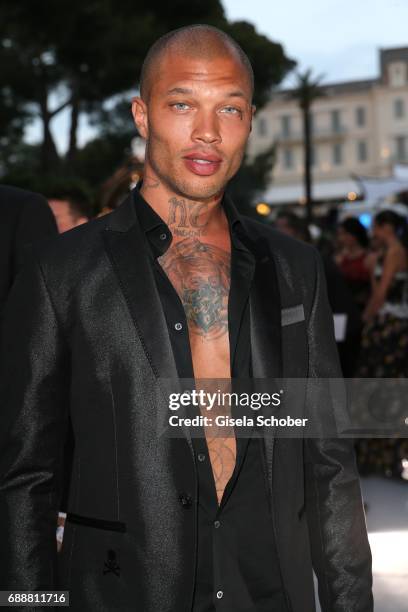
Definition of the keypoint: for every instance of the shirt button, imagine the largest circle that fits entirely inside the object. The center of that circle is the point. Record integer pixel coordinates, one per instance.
(220, 594)
(217, 524)
(178, 326)
(201, 457)
(163, 236)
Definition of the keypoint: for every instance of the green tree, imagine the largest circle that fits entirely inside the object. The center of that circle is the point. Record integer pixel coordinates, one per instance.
(97, 159)
(77, 54)
(13, 119)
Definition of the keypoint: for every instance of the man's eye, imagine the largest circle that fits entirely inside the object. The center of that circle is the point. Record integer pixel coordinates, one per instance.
(231, 110)
(180, 106)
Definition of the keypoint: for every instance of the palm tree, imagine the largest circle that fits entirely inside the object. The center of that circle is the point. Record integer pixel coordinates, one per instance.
(306, 91)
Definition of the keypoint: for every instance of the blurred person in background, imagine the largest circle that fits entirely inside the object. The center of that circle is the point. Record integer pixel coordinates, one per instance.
(340, 298)
(352, 258)
(292, 225)
(385, 337)
(25, 220)
(353, 261)
(71, 208)
(384, 345)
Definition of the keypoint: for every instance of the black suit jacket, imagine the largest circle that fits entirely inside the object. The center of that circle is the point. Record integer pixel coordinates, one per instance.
(86, 336)
(25, 219)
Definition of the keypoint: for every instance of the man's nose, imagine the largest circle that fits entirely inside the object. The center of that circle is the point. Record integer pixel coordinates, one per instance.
(206, 129)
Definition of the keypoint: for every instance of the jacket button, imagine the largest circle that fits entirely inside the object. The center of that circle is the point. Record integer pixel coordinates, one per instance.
(185, 500)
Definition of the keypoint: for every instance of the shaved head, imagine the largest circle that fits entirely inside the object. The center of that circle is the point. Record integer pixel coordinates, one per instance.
(194, 111)
(195, 41)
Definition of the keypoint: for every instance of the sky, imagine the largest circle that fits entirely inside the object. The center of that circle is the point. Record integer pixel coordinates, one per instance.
(338, 39)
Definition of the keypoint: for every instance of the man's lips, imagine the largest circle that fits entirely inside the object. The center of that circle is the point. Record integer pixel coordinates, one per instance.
(202, 164)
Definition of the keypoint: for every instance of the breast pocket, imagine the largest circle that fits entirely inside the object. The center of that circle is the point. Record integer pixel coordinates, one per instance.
(292, 314)
(294, 342)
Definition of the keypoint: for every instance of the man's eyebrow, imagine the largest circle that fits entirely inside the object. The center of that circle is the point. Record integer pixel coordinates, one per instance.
(179, 90)
(236, 94)
(186, 91)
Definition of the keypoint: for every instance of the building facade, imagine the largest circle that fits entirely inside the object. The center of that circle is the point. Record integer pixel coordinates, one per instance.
(359, 128)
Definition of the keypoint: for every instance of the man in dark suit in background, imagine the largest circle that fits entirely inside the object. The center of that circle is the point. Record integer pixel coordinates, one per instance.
(25, 219)
(176, 284)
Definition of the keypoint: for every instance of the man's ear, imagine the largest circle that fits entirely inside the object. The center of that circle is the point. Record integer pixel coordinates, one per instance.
(139, 112)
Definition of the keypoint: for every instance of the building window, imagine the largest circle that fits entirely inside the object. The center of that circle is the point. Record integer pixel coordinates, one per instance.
(335, 121)
(401, 148)
(360, 116)
(288, 158)
(337, 154)
(362, 154)
(397, 74)
(399, 108)
(262, 126)
(286, 125)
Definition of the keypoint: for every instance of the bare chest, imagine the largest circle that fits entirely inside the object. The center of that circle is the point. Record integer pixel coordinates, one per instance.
(200, 273)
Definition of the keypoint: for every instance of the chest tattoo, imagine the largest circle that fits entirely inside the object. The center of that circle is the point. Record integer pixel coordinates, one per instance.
(200, 273)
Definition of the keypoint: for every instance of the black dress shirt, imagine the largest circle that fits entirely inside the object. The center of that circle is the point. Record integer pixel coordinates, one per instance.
(237, 565)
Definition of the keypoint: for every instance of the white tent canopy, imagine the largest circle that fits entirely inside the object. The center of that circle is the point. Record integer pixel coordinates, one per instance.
(329, 190)
(371, 188)
(375, 189)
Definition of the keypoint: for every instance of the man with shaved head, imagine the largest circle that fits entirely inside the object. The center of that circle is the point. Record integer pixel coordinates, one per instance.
(176, 291)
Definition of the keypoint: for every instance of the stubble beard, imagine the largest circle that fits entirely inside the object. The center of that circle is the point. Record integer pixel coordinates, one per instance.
(196, 189)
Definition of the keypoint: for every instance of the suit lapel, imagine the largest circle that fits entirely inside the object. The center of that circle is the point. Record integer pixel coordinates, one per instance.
(265, 304)
(278, 353)
(265, 320)
(266, 341)
(126, 246)
(127, 251)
